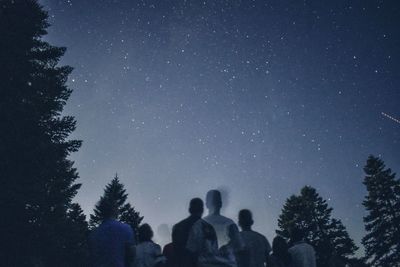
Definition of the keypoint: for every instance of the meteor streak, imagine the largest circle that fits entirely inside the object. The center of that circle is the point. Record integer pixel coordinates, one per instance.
(390, 117)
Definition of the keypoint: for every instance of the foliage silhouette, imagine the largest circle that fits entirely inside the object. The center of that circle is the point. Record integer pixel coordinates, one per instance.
(382, 223)
(38, 179)
(116, 196)
(310, 213)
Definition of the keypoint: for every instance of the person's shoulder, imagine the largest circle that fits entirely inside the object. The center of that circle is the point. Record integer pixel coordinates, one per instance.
(151, 245)
(301, 246)
(219, 219)
(203, 222)
(182, 222)
(252, 234)
(199, 224)
(103, 226)
(202, 225)
(228, 220)
(156, 246)
(225, 220)
(258, 235)
(188, 223)
(178, 224)
(208, 218)
(262, 238)
(122, 226)
(308, 246)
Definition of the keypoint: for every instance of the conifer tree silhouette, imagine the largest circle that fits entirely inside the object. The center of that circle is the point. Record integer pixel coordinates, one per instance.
(38, 179)
(115, 195)
(310, 213)
(382, 223)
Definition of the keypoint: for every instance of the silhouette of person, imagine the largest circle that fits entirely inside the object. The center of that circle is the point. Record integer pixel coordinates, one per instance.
(180, 234)
(280, 256)
(148, 253)
(256, 245)
(111, 244)
(219, 222)
(302, 254)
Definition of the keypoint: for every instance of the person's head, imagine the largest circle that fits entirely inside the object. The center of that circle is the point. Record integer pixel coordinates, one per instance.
(245, 219)
(214, 200)
(279, 246)
(297, 234)
(110, 210)
(145, 233)
(196, 207)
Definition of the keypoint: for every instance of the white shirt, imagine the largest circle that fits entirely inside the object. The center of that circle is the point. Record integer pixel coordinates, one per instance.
(148, 254)
(221, 224)
(256, 246)
(303, 255)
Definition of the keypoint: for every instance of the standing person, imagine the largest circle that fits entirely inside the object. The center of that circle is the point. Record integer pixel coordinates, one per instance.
(111, 244)
(220, 222)
(302, 254)
(280, 256)
(180, 234)
(256, 246)
(148, 253)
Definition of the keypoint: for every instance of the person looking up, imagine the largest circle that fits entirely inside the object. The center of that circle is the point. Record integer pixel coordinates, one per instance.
(256, 245)
(220, 222)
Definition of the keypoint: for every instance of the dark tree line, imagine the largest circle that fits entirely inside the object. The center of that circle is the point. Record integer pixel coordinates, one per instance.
(40, 223)
(39, 218)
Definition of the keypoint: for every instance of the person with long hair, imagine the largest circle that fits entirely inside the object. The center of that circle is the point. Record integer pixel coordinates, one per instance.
(148, 253)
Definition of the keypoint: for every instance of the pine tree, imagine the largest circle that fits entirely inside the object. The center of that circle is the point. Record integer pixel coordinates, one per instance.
(130, 216)
(115, 195)
(309, 212)
(78, 232)
(38, 180)
(382, 241)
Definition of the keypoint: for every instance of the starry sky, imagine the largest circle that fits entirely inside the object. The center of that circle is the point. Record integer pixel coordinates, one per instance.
(257, 98)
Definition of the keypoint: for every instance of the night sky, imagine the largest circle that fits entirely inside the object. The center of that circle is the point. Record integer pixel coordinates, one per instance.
(258, 98)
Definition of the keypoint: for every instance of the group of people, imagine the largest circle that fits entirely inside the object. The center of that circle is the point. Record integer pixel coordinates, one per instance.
(211, 241)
